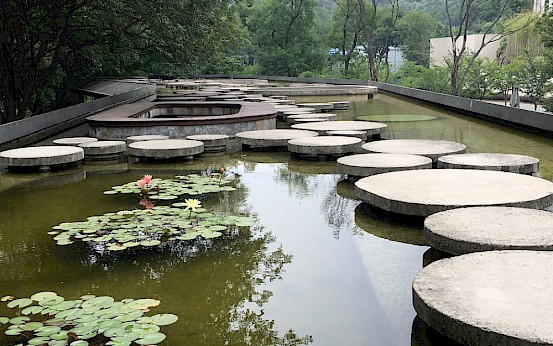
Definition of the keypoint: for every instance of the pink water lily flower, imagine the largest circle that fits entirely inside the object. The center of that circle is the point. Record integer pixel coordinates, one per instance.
(141, 183)
(147, 178)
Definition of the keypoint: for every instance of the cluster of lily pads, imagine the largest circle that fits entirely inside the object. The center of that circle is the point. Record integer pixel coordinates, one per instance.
(131, 228)
(169, 189)
(48, 319)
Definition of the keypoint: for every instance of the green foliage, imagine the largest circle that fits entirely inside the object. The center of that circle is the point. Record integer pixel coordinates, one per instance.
(415, 29)
(284, 36)
(416, 76)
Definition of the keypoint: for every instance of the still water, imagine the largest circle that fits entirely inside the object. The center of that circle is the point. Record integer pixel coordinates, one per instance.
(314, 269)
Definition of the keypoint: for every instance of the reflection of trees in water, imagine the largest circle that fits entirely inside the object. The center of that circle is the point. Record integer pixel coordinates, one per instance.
(208, 284)
(338, 210)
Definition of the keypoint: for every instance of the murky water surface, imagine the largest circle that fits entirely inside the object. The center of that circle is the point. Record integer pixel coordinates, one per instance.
(315, 268)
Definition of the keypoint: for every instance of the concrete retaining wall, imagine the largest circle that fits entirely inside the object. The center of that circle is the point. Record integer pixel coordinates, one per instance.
(515, 117)
(30, 130)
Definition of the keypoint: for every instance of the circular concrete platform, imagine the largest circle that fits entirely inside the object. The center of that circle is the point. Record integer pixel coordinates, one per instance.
(166, 148)
(349, 133)
(489, 298)
(396, 117)
(489, 161)
(74, 141)
(319, 106)
(465, 230)
(428, 191)
(141, 138)
(323, 116)
(271, 138)
(364, 165)
(104, 150)
(42, 157)
(325, 145)
(212, 142)
(425, 147)
(308, 120)
(372, 129)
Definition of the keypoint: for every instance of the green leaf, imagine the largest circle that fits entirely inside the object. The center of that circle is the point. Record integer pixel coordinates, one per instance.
(20, 303)
(151, 339)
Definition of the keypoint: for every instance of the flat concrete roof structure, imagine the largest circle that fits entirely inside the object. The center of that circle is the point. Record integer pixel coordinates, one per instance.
(166, 149)
(490, 161)
(386, 118)
(323, 146)
(428, 191)
(43, 157)
(103, 150)
(364, 165)
(373, 129)
(133, 139)
(271, 138)
(489, 298)
(465, 230)
(74, 141)
(425, 147)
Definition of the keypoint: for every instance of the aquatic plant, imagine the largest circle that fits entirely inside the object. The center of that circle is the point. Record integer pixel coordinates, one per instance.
(169, 189)
(150, 227)
(49, 319)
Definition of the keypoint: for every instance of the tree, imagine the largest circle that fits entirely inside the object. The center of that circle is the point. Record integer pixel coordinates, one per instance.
(283, 35)
(345, 31)
(415, 29)
(533, 78)
(45, 46)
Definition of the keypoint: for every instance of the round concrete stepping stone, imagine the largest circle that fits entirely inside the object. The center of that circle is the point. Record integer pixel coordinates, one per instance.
(212, 142)
(489, 161)
(307, 120)
(325, 145)
(141, 138)
(74, 141)
(42, 157)
(102, 150)
(428, 191)
(489, 298)
(396, 117)
(271, 138)
(340, 105)
(351, 133)
(476, 229)
(325, 116)
(372, 129)
(319, 107)
(166, 148)
(425, 147)
(364, 165)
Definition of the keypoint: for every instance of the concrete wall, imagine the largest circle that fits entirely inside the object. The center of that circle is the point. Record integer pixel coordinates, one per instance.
(30, 130)
(520, 118)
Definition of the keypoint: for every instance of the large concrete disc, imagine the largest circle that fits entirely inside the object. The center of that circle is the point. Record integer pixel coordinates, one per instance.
(364, 165)
(75, 141)
(271, 138)
(491, 161)
(370, 127)
(428, 191)
(489, 298)
(41, 156)
(166, 148)
(425, 147)
(465, 230)
(324, 145)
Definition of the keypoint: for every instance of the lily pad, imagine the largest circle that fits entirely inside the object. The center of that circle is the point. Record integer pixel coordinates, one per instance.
(164, 319)
(142, 304)
(4, 320)
(20, 303)
(151, 339)
(31, 310)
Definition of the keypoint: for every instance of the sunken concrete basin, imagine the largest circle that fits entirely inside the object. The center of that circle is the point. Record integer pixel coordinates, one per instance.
(181, 119)
(466, 230)
(490, 161)
(364, 165)
(42, 158)
(166, 149)
(489, 298)
(428, 191)
(323, 146)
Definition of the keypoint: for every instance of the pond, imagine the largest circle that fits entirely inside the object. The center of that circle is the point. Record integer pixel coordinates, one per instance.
(314, 268)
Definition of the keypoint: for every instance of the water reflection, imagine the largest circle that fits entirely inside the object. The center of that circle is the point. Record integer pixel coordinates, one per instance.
(375, 222)
(423, 335)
